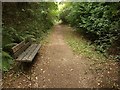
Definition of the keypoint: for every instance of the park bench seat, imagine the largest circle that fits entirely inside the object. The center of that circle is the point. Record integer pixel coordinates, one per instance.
(25, 51)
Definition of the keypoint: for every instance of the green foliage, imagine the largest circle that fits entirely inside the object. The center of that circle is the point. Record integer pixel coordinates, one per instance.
(83, 47)
(23, 20)
(100, 22)
(8, 47)
(6, 61)
(10, 35)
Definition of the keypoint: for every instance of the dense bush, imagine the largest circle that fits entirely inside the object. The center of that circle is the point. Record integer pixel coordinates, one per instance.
(98, 21)
(7, 61)
(22, 20)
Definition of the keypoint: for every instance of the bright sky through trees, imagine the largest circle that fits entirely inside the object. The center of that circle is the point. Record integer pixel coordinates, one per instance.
(58, 0)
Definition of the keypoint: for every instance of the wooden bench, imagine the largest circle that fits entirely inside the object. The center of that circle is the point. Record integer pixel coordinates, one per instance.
(25, 51)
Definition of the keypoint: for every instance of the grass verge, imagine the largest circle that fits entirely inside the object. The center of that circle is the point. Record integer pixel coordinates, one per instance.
(82, 46)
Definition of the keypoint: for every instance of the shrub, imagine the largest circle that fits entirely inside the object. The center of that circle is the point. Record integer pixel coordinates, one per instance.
(99, 21)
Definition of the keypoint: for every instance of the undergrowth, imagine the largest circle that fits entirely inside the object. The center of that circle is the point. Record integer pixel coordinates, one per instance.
(23, 20)
(99, 21)
(83, 47)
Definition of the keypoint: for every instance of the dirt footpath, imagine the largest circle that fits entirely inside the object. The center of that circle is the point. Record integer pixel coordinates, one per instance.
(56, 66)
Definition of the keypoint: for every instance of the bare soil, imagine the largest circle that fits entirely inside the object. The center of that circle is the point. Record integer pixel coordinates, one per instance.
(56, 66)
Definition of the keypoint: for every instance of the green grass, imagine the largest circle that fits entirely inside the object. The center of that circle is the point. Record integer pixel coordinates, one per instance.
(82, 47)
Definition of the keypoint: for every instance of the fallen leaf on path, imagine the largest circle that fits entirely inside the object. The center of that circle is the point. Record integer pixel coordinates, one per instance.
(48, 79)
(36, 84)
(110, 68)
(43, 71)
(36, 78)
(71, 69)
(44, 86)
(24, 80)
(98, 84)
(18, 86)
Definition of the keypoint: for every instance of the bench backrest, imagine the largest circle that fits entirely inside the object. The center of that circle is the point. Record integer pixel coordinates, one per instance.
(21, 47)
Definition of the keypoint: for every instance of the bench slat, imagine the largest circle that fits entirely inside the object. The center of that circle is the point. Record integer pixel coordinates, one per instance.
(34, 53)
(18, 46)
(24, 53)
(22, 49)
(31, 51)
